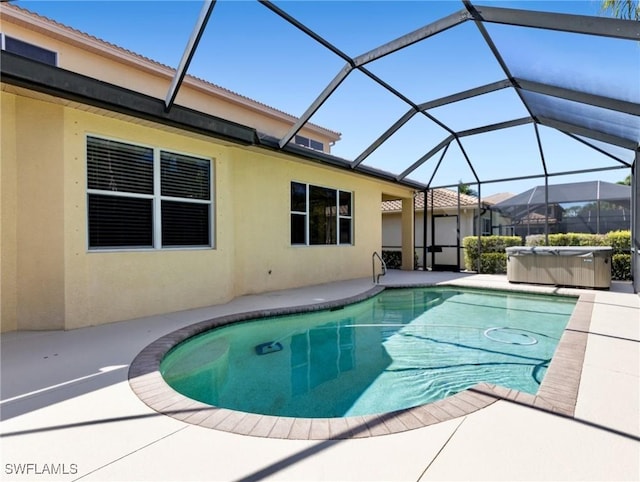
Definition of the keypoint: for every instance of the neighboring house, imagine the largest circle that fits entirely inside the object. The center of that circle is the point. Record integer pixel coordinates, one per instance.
(112, 208)
(445, 212)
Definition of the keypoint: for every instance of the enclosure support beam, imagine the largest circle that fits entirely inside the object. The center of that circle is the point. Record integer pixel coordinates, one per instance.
(316, 104)
(388, 133)
(467, 94)
(424, 227)
(190, 49)
(422, 33)
(433, 230)
(495, 127)
(546, 210)
(407, 234)
(425, 158)
(578, 96)
(635, 223)
(479, 227)
(604, 27)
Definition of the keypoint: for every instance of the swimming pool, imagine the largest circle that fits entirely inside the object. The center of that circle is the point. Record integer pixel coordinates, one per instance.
(399, 349)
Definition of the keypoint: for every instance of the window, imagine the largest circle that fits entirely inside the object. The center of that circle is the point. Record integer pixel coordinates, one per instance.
(139, 197)
(310, 143)
(320, 215)
(28, 50)
(486, 227)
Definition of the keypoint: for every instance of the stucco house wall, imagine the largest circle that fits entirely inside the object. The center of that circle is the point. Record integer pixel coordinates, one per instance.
(446, 205)
(50, 279)
(392, 238)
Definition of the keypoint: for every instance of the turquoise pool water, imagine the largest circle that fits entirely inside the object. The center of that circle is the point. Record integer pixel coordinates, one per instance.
(401, 348)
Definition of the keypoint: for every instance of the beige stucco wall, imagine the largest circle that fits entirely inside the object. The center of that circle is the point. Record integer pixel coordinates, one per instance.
(39, 228)
(262, 203)
(114, 285)
(50, 279)
(8, 215)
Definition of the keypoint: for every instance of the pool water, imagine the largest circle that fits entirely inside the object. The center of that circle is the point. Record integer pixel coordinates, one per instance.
(399, 349)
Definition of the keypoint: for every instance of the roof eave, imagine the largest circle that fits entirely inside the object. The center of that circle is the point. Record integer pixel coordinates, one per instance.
(47, 79)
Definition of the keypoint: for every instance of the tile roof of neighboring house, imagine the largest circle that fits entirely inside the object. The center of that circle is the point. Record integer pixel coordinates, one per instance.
(240, 97)
(497, 198)
(442, 198)
(535, 218)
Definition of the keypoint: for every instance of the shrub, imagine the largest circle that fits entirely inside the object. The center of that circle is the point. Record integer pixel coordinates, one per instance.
(489, 245)
(620, 241)
(493, 263)
(568, 239)
(621, 267)
(393, 259)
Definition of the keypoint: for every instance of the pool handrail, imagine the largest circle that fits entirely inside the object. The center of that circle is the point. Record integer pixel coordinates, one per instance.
(376, 279)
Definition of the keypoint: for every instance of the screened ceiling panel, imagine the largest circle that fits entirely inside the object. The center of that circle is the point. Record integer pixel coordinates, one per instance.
(387, 67)
(357, 27)
(458, 54)
(261, 58)
(424, 172)
(594, 118)
(356, 102)
(576, 61)
(561, 153)
(453, 169)
(617, 154)
(374, 71)
(504, 153)
(482, 110)
(408, 144)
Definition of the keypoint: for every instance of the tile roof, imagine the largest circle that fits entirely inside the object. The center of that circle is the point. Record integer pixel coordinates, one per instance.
(497, 198)
(536, 218)
(442, 198)
(135, 55)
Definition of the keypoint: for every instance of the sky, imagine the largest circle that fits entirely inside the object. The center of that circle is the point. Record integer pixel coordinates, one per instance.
(248, 49)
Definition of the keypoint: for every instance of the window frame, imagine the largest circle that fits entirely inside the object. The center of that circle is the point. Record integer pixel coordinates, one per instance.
(156, 198)
(308, 142)
(308, 217)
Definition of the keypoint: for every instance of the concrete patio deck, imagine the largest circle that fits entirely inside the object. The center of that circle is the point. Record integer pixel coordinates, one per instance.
(69, 413)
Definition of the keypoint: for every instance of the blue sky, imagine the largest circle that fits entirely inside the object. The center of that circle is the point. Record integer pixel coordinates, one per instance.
(249, 50)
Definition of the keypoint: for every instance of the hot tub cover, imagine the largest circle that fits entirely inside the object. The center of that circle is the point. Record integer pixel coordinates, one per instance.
(560, 250)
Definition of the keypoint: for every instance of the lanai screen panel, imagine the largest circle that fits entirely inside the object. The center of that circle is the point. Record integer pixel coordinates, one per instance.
(358, 67)
(537, 56)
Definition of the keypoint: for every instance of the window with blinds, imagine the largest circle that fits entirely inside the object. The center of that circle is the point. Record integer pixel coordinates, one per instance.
(140, 197)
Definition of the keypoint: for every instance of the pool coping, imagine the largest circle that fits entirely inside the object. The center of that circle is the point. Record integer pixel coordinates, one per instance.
(558, 392)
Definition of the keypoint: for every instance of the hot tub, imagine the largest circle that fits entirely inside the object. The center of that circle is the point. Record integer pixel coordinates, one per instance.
(579, 266)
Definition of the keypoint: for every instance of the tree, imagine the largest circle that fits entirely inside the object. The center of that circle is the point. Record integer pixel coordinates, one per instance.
(626, 181)
(625, 9)
(465, 189)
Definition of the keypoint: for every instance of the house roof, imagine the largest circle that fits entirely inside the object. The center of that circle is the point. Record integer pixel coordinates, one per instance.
(90, 42)
(497, 198)
(536, 218)
(442, 198)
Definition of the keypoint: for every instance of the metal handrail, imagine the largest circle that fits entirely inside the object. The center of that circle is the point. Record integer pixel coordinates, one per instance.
(376, 279)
